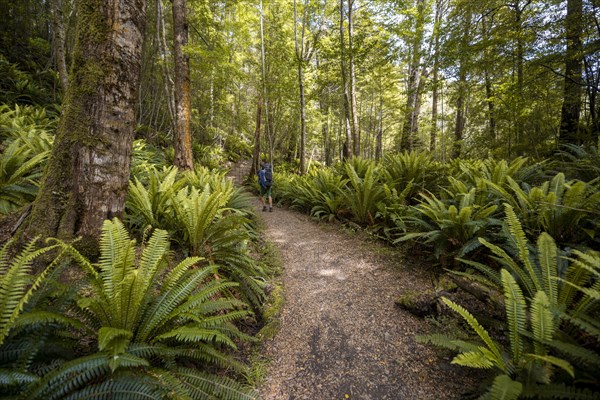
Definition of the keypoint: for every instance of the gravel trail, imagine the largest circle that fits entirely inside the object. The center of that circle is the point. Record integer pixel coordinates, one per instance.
(341, 335)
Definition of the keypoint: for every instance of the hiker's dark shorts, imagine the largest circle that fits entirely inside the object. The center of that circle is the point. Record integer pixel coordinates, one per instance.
(265, 192)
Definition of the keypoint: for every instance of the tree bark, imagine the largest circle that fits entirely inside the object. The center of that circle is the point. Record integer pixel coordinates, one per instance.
(256, 151)
(352, 85)
(488, 84)
(436, 68)
(346, 98)
(379, 137)
(300, 59)
(459, 126)
(269, 128)
(161, 37)
(571, 107)
(184, 159)
(88, 173)
(411, 122)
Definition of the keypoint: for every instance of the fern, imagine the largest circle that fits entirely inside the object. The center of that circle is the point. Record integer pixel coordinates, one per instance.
(17, 285)
(504, 388)
(151, 318)
(515, 313)
(494, 354)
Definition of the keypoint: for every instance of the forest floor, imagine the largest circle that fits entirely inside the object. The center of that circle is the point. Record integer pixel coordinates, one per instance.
(341, 335)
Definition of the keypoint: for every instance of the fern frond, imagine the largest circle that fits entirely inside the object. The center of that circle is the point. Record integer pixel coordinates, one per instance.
(504, 388)
(576, 351)
(558, 391)
(547, 254)
(481, 332)
(558, 362)
(542, 321)
(517, 233)
(202, 384)
(123, 386)
(69, 377)
(474, 359)
(13, 377)
(516, 314)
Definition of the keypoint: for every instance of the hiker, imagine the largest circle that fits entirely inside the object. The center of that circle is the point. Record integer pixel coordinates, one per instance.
(265, 181)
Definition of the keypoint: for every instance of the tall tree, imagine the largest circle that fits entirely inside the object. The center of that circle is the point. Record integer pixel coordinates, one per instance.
(439, 5)
(346, 94)
(183, 100)
(300, 58)
(571, 107)
(462, 84)
(413, 96)
(58, 42)
(88, 173)
(352, 84)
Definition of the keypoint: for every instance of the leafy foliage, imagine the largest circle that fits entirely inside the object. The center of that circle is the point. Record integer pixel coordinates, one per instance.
(151, 322)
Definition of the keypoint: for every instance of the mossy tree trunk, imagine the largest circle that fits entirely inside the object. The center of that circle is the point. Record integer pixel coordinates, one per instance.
(88, 173)
(183, 99)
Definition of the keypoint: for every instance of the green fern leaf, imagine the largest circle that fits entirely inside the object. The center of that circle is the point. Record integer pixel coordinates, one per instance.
(496, 358)
(504, 388)
(542, 322)
(547, 253)
(516, 314)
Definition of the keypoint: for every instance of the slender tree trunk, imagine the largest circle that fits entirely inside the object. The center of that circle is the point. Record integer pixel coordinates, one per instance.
(268, 122)
(256, 152)
(593, 87)
(571, 107)
(88, 173)
(346, 97)
(520, 77)
(379, 138)
(411, 122)
(488, 83)
(58, 42)
(300, 59)
(162, 48)
(184, 159)
(459, 126)
(352, 84)
(436, 68)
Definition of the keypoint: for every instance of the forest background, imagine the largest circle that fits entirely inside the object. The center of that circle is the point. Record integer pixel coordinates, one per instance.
(470, 127)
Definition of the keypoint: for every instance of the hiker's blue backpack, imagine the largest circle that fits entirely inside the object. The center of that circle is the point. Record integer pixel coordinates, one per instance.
(268, 175)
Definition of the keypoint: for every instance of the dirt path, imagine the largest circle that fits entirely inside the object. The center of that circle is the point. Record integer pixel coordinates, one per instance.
(341, 335)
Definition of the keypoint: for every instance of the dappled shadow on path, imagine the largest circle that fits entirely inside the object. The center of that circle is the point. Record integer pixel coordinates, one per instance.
(341, 335)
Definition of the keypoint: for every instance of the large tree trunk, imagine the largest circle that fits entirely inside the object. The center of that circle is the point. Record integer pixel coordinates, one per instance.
(58, 42)
(352, 85)
(88, 173)
(571, 107)
(183, 101)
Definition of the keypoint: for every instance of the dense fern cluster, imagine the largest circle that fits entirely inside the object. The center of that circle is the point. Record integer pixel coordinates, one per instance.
(143, 322)
(538, 222)
(135, 325)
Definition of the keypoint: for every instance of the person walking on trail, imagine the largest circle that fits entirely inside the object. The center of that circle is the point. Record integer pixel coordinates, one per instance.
(265, 181)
